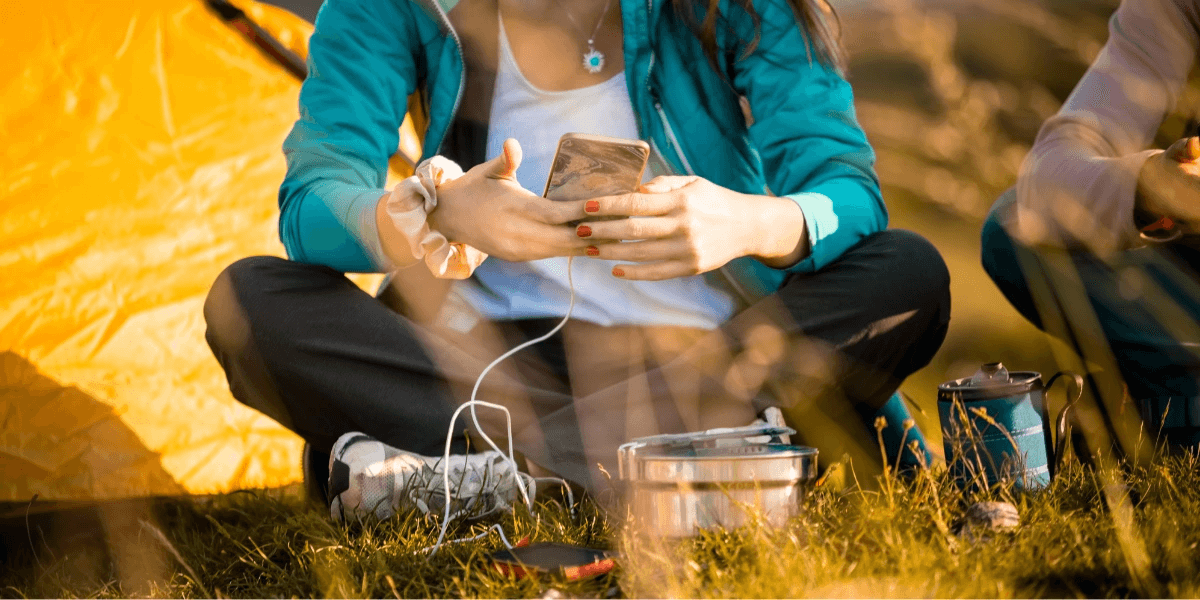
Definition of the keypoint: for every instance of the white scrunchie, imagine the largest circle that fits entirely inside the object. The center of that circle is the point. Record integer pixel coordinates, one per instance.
(409, 205)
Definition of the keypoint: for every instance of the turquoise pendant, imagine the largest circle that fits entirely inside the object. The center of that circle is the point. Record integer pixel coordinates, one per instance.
(593, 61)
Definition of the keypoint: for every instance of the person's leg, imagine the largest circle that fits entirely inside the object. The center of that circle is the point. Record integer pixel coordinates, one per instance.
(865, 323)
(829, 348)
(305, 346)
(883, 307)
(1001, 262)
(1142, 305)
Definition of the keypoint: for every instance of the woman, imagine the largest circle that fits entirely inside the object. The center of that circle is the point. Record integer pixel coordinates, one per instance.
(759, 273)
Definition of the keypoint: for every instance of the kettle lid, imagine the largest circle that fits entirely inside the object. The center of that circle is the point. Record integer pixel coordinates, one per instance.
(990, 374)
(993, 380)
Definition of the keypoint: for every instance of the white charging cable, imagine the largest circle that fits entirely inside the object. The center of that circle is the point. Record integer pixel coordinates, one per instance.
(497, 528)
(526, 483)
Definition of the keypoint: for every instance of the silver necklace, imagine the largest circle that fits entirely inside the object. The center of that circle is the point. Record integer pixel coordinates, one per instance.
(593, 59)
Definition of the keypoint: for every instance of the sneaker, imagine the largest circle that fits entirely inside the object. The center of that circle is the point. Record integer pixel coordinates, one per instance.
(369, 479)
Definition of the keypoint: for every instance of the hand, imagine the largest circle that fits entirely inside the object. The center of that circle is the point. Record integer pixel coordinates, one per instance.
(688, 225)
(486, 208)
(1169, 184)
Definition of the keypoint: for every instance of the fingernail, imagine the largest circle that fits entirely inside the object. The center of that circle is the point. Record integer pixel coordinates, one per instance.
(618, 272)
(591, 206)
(583, 231)
(593, 251)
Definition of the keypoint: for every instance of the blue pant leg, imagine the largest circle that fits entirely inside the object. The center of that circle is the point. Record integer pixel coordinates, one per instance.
(1141, 298)
(898, 439)
(1000, 259)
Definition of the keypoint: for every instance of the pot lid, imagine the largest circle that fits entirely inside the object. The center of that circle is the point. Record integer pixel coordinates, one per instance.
(750, 465)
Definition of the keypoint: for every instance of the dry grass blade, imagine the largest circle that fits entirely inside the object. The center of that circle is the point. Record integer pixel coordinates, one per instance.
(162, 538)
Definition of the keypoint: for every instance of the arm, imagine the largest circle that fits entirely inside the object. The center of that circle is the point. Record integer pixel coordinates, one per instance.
(361, 71)
(814, 153)
(1078, 184)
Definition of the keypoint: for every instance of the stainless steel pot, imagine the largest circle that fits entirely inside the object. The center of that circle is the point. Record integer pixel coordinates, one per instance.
(676, 485)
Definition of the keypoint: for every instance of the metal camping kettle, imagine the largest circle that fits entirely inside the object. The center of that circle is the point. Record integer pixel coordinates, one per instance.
(995, 426)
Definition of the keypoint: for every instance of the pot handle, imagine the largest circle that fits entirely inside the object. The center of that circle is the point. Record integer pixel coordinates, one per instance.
(1062, 425)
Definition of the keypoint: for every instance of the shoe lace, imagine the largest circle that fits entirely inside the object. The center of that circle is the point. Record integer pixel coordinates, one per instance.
(480, 485)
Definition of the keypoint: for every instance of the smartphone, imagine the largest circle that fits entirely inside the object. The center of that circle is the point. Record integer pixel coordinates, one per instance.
(588, 166)
(573, 562)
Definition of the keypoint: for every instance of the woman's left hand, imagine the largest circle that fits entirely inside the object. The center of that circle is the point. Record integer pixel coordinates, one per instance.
(680, 226)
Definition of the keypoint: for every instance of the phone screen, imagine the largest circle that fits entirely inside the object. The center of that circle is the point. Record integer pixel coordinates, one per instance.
(587, 167)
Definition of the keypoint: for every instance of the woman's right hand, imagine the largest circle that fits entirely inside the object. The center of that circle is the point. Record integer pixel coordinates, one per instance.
(1169, 184)
(486, 208)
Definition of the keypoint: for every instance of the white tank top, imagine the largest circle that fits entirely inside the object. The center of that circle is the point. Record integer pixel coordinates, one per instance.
(508, 290)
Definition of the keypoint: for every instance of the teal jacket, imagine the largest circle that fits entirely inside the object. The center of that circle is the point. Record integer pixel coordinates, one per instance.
(367, 56)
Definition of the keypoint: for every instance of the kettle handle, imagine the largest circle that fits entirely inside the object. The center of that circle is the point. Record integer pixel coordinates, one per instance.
(1062, 425)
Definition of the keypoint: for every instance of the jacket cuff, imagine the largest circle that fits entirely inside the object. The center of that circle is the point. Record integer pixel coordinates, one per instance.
(362, 225)
(821, 221)
(1119, 218)
(1089, 203)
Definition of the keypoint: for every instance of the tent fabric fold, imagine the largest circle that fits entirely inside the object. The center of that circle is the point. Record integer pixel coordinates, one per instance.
(141, 156)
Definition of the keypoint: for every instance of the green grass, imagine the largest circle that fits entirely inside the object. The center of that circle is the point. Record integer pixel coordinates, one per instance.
(1127, 532)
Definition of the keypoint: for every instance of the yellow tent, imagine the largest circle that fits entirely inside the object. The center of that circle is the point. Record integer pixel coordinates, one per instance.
(141, 156)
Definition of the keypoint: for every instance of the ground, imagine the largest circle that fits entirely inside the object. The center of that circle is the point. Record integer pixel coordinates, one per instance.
(1093, 533)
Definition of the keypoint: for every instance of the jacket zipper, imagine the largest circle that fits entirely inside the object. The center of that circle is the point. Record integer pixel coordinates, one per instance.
(662, 115)
(654, 145)
(671, 138)
(462, 72)
(724, 271)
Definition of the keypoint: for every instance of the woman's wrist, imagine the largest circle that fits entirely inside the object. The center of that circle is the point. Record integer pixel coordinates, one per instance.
(779, 235)
(391, 240)
(435, 223)
(407, 231)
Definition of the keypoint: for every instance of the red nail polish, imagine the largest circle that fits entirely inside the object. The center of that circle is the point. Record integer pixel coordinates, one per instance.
(591, 206)
(583, 231)
(593, 251)
(618, 271)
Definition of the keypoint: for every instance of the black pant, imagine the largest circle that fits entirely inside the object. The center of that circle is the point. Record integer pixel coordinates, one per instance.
(305, 346)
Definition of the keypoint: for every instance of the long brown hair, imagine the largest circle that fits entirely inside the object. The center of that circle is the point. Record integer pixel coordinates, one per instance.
(816, 18)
